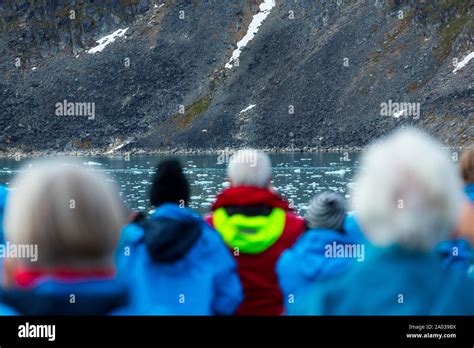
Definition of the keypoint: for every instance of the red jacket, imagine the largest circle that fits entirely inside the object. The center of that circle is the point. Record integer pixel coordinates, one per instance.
(262, 294)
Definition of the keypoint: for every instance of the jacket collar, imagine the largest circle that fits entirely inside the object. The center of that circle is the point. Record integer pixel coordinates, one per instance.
(25, 277)
(52, 297)
(248, 195)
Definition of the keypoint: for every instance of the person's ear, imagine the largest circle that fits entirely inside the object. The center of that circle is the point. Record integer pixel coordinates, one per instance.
(8, 271)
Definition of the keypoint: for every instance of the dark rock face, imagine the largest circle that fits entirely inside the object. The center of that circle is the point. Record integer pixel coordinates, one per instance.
(317, 73)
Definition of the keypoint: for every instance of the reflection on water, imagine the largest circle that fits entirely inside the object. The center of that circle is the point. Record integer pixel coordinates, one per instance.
(297, 176)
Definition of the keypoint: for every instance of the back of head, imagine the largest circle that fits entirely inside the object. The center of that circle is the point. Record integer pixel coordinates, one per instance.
(73, 215)
(407, 191)
(250, 168)
(467, 166)
(327, 210)
(169, 184)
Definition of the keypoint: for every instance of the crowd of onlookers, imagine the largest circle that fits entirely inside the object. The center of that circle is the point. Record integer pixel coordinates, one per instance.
(400, 246)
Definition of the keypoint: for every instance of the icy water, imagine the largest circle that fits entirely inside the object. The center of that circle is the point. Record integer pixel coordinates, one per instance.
(296, 176)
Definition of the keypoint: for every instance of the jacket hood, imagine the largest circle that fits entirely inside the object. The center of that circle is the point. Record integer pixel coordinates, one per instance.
(315, 255)
(52, 297)
(249, 195)
(171, 232)
(352, 228)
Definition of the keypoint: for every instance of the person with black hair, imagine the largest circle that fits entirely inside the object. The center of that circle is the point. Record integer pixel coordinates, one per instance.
(175, 263)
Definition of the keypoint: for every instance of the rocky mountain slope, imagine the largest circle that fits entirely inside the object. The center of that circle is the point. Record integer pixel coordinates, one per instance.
(314, 76)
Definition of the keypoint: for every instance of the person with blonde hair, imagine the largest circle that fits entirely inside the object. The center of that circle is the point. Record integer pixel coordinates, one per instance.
(407, 198)
(66, 220)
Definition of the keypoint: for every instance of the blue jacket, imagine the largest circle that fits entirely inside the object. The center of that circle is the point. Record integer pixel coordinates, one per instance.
(6, 311)
(53, 297)
(352, 228)
(456, 253)
(176, 263)
(393, 281)
(313, 258)
(469, 190)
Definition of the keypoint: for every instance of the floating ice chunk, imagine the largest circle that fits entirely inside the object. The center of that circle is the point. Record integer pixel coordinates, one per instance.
(337, 172)
(91, 163)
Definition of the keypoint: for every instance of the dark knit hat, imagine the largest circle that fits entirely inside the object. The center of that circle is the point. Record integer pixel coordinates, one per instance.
(169, 184)
(327, 210)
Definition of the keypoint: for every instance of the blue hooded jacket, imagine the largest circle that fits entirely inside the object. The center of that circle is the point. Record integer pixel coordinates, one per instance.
(313, 258)
(456, 253)
(469, 190)
(352, 228)
(176, 263)
(393, 281)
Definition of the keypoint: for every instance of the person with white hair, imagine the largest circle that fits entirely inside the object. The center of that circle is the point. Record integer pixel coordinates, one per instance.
(66, 220)
(407, 198)
(257, 225)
